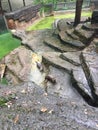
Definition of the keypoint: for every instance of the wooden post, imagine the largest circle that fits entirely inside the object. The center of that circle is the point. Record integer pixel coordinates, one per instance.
(10, 5)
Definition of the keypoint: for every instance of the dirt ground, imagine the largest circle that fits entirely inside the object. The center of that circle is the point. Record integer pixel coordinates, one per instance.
(29, 107)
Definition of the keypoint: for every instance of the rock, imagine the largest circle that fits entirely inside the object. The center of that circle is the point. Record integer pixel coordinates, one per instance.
(88, 26)
(72, 57)
(56, 44)
(70, 32)
(53, 58)
(35, 40)
(68, 40)
(85, 35)
(20, 34)
(55, 24)
(80, 82)
(21, 66)
(90, 65)
(63, 25)
(63, 86)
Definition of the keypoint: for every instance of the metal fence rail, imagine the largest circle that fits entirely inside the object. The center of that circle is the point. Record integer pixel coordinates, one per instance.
(70, 5)
(3, 27)
(12, 5)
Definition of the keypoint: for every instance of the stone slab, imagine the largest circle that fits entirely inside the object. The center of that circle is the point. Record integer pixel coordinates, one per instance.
(63, 87)
(56, 44)
(80, 82)
(72, 57)
(54, 59)
(70, 33)
(83, 34)
(68, 40)
(90, 61)
(34, 39)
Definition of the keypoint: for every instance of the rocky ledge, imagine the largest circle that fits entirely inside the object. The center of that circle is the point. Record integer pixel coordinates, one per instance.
(52, 80)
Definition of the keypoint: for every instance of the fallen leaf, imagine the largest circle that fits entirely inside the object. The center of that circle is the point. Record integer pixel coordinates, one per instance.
(43, 109)
(96, 125)
(8, 104)
(45, 94)
(16, 119)
(23, 91)
(51, 111)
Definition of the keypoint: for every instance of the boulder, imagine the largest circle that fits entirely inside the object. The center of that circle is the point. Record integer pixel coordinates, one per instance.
(21, 66)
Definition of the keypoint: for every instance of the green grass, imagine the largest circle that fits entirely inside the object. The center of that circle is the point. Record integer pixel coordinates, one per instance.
(46, 22)
(7, 44)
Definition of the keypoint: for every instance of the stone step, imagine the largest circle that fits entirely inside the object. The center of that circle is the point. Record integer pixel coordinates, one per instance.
(53, 58)
(70, 33)
(68, 40)
(72, 57)
(56, 44)
(85, 35)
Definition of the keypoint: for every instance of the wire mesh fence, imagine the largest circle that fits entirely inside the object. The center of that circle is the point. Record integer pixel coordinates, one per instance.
(3, 27)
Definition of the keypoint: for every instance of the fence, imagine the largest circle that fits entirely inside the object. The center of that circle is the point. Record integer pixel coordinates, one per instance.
(70, 5)
(12, 5)
(3, 27)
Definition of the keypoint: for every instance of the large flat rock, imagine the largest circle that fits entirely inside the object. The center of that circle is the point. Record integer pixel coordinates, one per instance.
(56, 44)
(85, 35)
(72, 57)
(34, 40)
(54, 59)
(80, 82)
(63, 86)
(90, 61)
(67, 39)
(70, 32)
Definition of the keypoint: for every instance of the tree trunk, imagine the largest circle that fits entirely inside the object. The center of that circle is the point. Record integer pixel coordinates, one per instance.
(78, 12)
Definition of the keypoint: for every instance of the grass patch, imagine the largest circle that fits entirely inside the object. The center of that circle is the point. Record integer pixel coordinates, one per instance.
(4, 81)
(7, 44)
(46, 22)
